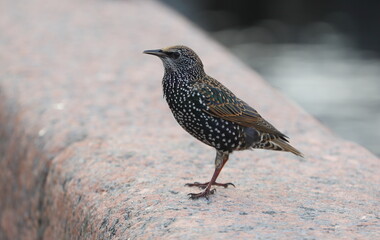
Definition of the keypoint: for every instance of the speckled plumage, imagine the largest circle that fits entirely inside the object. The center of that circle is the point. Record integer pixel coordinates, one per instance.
(212, 113)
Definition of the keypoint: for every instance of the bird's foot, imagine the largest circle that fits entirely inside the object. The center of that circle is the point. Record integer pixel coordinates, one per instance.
(207, 192)
(204, 185)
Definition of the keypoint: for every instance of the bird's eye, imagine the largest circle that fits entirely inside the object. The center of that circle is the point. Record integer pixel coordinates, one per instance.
(174, 55)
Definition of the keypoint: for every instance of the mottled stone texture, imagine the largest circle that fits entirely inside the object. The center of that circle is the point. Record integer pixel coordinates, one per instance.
(89, 149)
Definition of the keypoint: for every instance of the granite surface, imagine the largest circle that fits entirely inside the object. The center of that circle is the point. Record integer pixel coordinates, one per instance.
(89, 149)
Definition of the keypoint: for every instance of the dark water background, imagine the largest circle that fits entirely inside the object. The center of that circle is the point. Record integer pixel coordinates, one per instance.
(325, 55)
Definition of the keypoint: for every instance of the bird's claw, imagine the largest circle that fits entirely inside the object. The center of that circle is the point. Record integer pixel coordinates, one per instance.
(197, 184)
(204, 185)
(206, 193)
(225, 185)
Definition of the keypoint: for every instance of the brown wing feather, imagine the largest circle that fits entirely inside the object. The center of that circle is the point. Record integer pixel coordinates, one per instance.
(224, 104)
(245, 116)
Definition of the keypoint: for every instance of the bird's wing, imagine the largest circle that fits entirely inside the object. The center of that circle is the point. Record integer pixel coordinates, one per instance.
(224, 104)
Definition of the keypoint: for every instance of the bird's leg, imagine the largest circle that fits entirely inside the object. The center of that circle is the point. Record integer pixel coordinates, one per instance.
(220, 161)
(204, 185)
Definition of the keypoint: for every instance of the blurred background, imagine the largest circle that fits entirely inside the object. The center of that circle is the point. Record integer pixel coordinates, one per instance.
(325, 55)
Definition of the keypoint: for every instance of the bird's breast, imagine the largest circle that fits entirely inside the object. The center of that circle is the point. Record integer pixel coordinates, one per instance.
(189, 108)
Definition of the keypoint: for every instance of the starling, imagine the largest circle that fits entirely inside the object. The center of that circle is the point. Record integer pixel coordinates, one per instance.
(210, 112)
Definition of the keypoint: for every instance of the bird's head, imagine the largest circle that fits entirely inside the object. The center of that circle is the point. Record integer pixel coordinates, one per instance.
(178, 58)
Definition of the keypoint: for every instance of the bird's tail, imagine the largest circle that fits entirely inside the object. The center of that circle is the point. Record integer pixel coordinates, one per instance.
(286, 146)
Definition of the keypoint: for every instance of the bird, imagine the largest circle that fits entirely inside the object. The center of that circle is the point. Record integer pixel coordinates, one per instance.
(211, 113)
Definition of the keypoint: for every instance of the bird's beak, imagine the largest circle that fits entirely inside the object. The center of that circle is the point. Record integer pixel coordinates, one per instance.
(156, 52)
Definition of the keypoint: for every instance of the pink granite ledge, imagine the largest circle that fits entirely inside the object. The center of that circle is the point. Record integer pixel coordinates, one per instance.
(89, 149)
